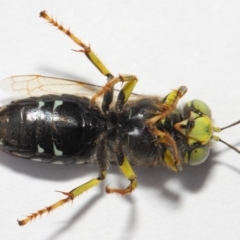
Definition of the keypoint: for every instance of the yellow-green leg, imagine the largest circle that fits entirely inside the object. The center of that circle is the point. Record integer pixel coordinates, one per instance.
(107, 90)
(171, 157)
(70, 197)
(101, 159)
(168, 105)
(126, 169)
(85, 49)
(130, 82)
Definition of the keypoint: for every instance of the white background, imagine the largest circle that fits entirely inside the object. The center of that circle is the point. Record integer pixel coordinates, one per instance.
(166, 44)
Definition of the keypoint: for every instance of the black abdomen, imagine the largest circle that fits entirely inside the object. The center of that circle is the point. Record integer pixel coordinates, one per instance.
(51, 127)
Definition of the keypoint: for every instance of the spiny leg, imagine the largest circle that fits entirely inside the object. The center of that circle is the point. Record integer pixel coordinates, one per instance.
(85, 49)
(101, 160)
(108, 89)
(70, 197)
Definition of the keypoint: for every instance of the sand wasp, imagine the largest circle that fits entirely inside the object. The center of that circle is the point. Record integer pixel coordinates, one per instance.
(73, 128)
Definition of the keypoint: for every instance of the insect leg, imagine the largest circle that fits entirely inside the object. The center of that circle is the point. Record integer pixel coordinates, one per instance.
(171, 158)
(126, 169)
(101, 160)
(108, 89)
(108, 95)
(124, 94)
(168, 105)
(129, 174)
(85, 49)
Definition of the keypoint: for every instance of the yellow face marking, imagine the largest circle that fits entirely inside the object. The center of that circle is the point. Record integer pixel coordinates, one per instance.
(201, 131)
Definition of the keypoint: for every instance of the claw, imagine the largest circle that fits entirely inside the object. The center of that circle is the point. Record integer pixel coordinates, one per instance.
(65, 193)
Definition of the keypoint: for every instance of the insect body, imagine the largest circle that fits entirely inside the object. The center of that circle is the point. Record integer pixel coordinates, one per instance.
(137, 130)
(51, 128)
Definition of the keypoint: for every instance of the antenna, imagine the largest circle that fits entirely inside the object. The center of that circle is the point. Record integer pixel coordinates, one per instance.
(218, 139)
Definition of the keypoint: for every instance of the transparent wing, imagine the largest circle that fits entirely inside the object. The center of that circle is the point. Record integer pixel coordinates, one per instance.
(35, 85)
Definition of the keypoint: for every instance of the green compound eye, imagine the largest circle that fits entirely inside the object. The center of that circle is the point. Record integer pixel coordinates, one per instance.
(198, 130)
(196, 106)
(197, 156)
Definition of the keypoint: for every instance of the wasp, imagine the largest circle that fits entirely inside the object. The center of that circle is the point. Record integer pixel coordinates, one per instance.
(127, 129)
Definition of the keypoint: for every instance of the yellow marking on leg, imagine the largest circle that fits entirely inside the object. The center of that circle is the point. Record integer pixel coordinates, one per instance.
(169, 161)
(128, 89)
(165, 138)
(130, 175)
(121, 78)
(70, 197)
(86, 49)
(164, 109)
(168, 106)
